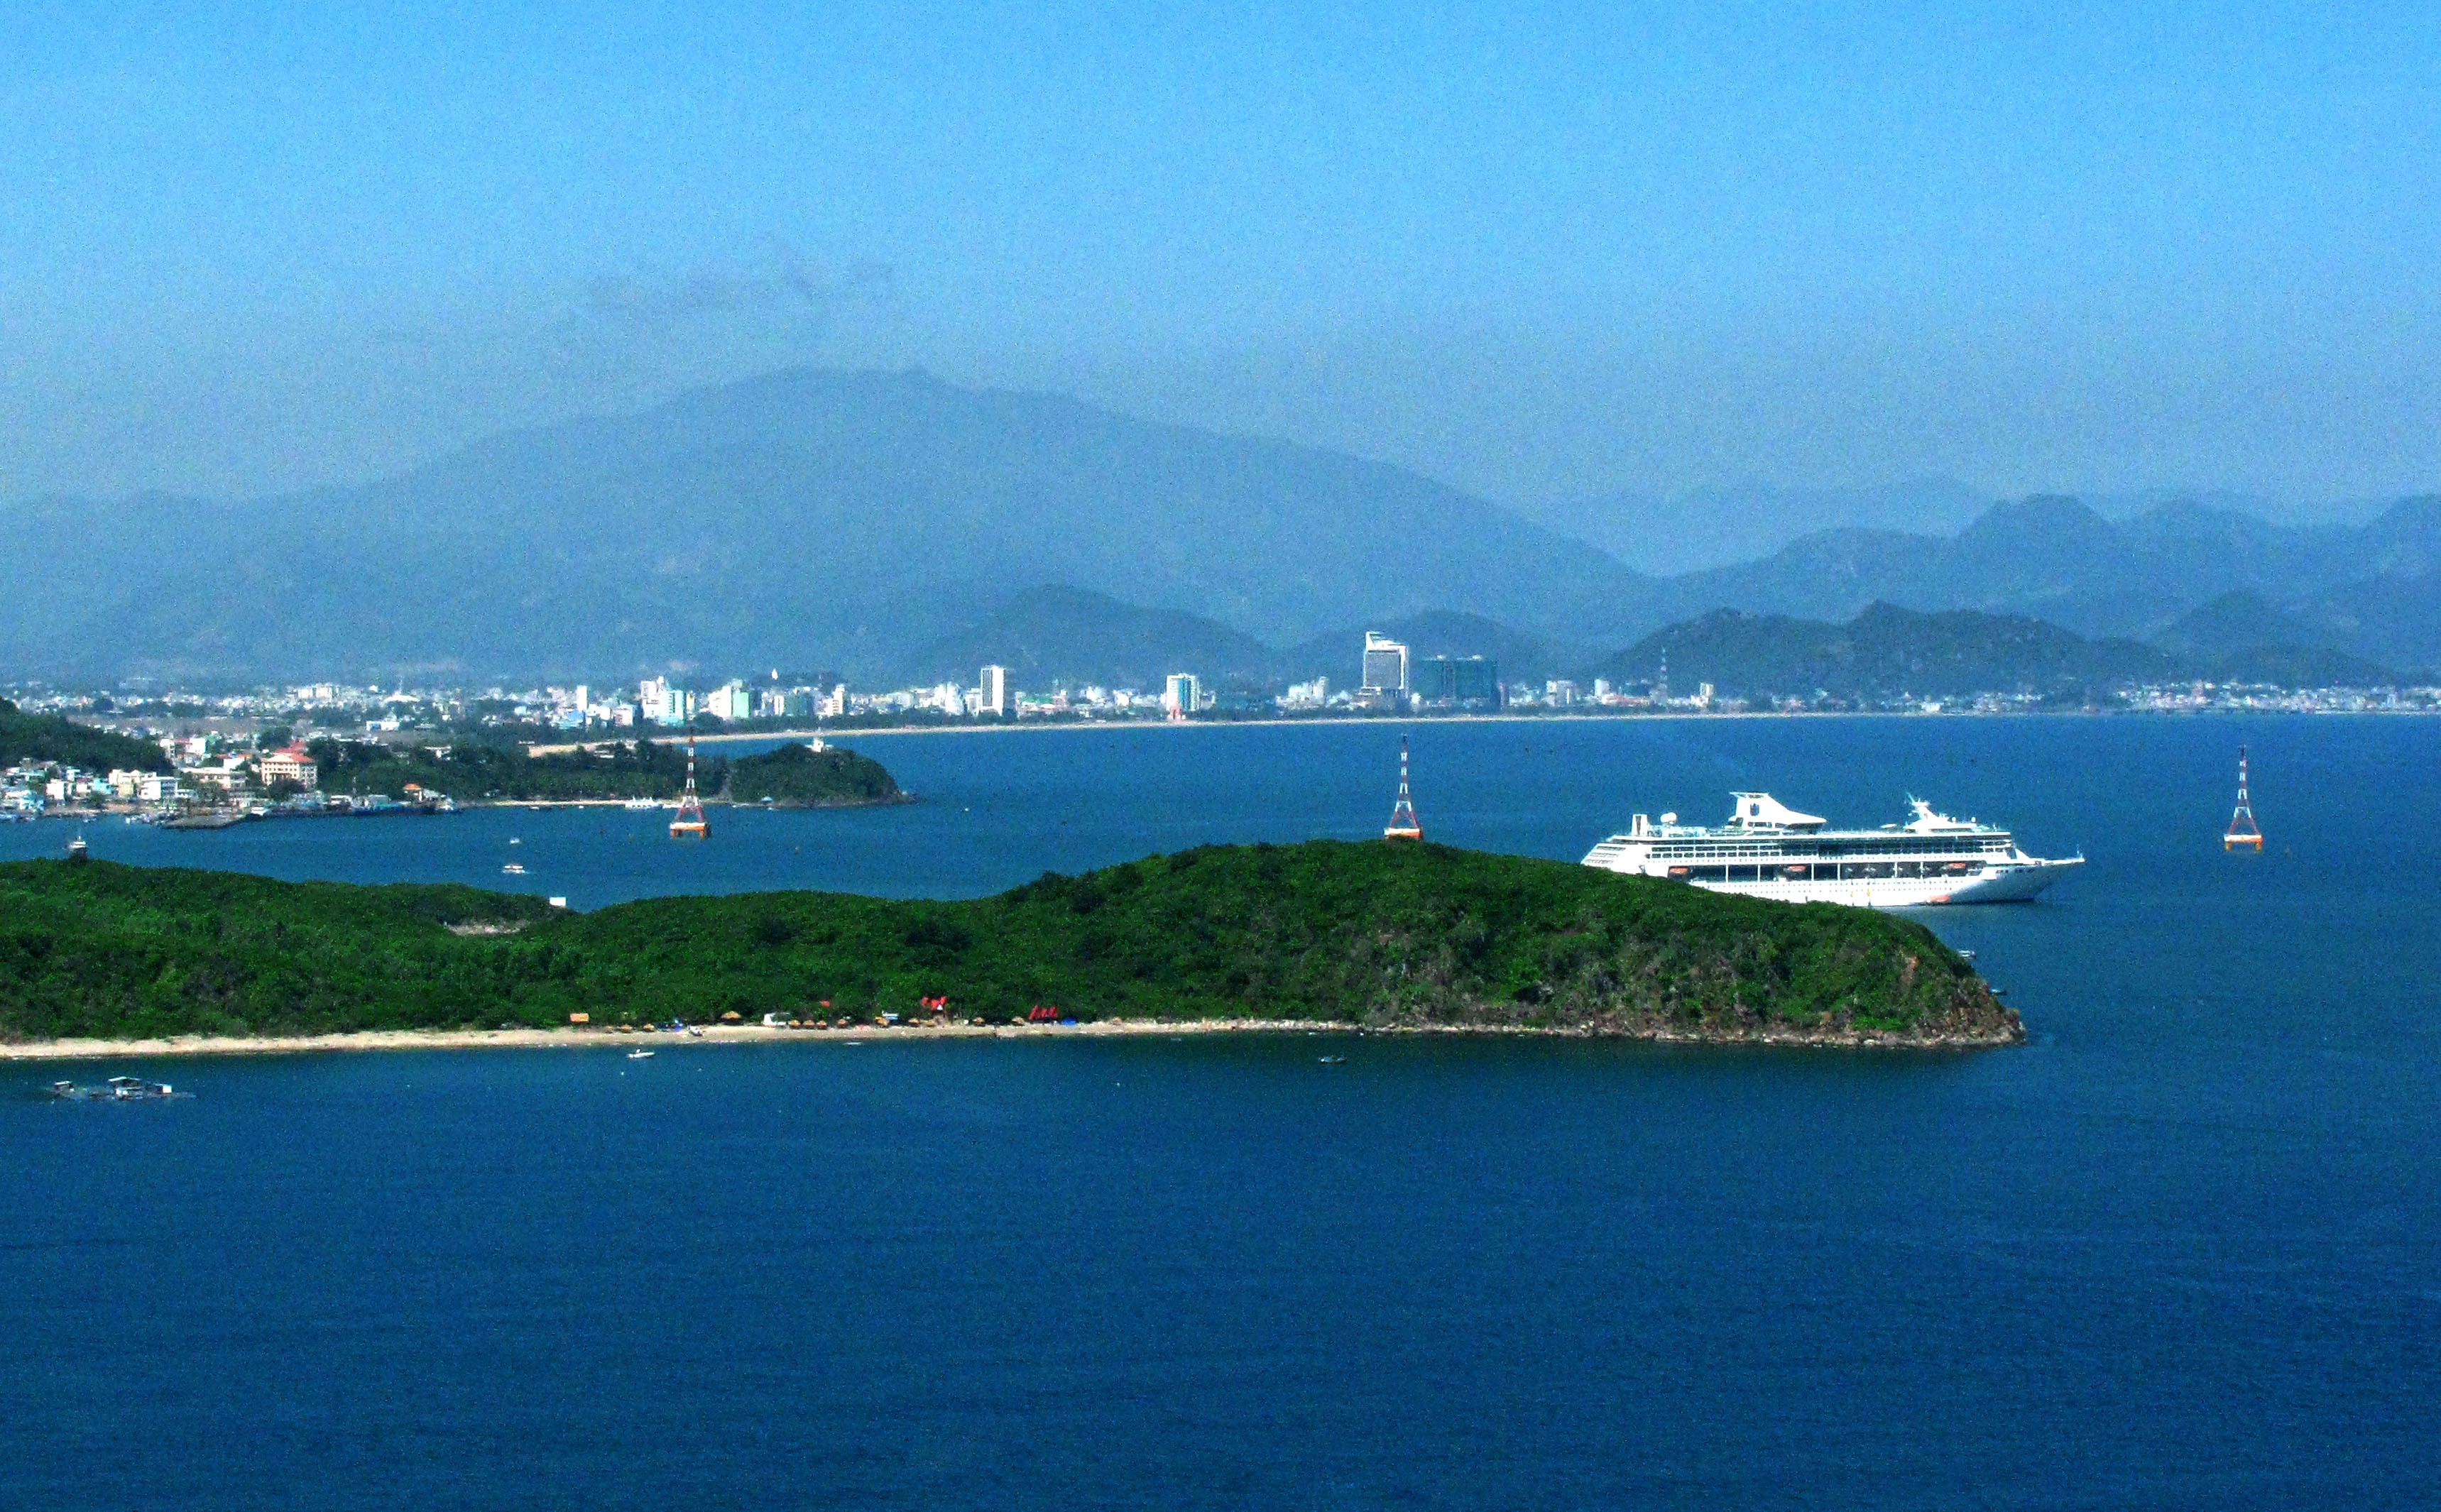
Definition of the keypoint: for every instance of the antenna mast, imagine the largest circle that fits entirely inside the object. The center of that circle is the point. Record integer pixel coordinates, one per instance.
(1403, 824)
(690, 824)
(2243, 835)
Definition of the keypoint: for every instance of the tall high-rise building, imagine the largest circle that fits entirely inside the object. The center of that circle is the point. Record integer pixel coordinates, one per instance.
(1386, 664)
(678, 706)
(999, 699)
(652, 699)
(1477, 680)
(1182, 695)
(1456, 679)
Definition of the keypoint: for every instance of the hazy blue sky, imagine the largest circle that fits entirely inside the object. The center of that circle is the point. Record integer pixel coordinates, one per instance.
(1537, 253)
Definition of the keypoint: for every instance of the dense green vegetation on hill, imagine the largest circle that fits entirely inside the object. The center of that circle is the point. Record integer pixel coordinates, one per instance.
(797, 776)
(56, 738)
(474, 771)
(1369, 933)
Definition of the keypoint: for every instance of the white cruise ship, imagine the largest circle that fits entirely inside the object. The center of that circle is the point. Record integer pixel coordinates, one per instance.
(1769, 851)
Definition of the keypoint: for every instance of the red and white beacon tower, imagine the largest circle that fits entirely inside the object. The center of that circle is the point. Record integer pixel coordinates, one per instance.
(2242, 835)
(1403, 824)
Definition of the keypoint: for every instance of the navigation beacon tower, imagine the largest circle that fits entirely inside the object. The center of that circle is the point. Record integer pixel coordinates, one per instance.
(2243, 835)
(1403, 824)
(690, 825)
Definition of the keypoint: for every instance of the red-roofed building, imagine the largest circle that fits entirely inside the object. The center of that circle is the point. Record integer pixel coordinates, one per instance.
(292, 764)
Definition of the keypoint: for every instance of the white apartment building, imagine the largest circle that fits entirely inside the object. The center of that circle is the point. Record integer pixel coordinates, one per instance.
(1386, 664)
(292, 765)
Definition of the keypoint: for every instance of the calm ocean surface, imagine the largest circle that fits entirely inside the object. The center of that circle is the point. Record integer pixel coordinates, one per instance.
(2183, 1251)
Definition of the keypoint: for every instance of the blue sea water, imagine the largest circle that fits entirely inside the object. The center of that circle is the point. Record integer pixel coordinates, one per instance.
(2182, 1251)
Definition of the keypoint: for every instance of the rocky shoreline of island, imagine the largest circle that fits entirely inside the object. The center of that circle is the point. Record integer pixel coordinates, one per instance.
(717, 1035)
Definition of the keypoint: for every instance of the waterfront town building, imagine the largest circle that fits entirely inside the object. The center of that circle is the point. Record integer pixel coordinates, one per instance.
(1385, 665)
(292, 765)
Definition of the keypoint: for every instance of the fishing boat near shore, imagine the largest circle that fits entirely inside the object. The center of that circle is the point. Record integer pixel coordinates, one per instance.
(117, 1089)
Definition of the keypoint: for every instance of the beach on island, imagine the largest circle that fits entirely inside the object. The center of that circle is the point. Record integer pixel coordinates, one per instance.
(595, 1038)
(701, 1034)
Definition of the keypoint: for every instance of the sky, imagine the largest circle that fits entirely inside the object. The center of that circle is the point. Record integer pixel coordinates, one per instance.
(1539, 253)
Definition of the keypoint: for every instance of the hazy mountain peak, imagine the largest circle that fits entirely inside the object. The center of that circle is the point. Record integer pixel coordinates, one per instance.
(806, 517)
(2054, 517)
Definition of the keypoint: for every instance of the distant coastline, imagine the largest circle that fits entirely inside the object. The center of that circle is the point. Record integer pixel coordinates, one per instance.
(384, 1039)
(1407, 721)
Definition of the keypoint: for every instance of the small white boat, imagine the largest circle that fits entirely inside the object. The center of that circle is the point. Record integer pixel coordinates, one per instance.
(640, 1054)
(514, 870)
(514, 840)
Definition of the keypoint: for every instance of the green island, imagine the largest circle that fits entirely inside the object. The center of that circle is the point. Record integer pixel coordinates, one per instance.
(55, 738)
(792, 776)
(1372, 934)
(797, 776)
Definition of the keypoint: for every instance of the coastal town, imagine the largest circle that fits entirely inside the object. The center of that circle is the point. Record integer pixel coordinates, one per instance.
(268, 751)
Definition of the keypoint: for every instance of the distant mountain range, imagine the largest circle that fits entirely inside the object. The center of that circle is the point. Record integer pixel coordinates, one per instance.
(1705, 527)
(1887, 650)
(894, 525)
(2369, 591)
(805, 518)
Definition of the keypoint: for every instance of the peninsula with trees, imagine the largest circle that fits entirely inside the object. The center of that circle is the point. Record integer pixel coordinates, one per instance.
(1366, 935)
(794, 776)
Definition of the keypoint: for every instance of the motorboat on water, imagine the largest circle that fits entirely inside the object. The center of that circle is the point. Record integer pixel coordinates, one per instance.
(117, 1089)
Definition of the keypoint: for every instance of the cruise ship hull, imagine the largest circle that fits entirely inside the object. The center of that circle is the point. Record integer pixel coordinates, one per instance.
(2010, 884)
(1767, 850)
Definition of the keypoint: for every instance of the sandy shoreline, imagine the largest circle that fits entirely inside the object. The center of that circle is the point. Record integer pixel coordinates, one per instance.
(599, 1039)
(755, 1035)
